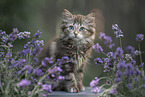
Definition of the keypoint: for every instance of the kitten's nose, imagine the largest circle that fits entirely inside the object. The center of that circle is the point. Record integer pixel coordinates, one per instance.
(75, 33)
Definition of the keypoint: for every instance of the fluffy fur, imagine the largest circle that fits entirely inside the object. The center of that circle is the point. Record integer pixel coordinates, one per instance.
(75, 41)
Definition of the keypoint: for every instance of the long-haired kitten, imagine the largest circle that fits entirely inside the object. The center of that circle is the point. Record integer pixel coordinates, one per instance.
(75, 41)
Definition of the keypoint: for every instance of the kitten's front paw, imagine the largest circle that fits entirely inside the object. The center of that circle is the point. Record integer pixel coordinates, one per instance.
(73, 89)
(81, 88)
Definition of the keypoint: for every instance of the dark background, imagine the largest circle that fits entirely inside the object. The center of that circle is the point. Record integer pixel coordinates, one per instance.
(45, 15)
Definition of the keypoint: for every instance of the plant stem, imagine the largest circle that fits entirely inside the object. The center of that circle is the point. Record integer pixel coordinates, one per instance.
(1, 85)
(104, 53)
(120, 42)
(141, 59)
(33, 91)
(104, 78)
(29, 58)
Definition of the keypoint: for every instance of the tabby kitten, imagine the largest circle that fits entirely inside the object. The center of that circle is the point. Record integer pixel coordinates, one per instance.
(75, 41)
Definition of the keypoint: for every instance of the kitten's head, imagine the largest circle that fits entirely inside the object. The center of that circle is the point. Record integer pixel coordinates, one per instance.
(78, 27)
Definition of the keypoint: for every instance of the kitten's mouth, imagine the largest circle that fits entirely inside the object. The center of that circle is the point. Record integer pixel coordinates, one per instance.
(75, 36)
(77, 39)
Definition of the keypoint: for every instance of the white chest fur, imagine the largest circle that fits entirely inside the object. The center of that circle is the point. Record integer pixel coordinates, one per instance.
(79, 62)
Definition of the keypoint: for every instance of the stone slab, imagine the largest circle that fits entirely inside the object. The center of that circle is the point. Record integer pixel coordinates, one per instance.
(86, 93)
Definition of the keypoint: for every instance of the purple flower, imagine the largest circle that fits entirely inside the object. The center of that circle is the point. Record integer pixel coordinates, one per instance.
(107, 40)
(44, 95)
(107, 68)
(111, 45)
(143, 77)
(136, 79)
(137, 71)
(12, 37)
(129, 80)
(47, 87)
(129, 86)
(130, 50)
(143, 86)
(127, 73)
(129, 70)
(106, 60)
(141, 65)
(8, 54)
(2, 54)
(47, 77)
(27, 45)
(121, 65)
(119, 50)
(128, 57)
(139, 37)
(54, 70)
(15, 30)
(119, 53)
(36, 60)
(97, 48)
(47, 61)
(35, 80)
(98, 61)
(43, 63)
(26, 51)
(133, 62)
(129, 66)
(61, 77)
(29, 92)
(23, 61)
(96, 90)
(102, 35)
(118, 73)
(40, 83)
(110, 64)
(21, 53)
(137, 52)
(117, 80)
(19, 63)
(36, 51)
(39, 72)
(110, 54)
(0, 84)
(63, 60)
(117, 31)
(94, 83)
(24, 83)
(113, 91)
(23, 35)
(50, 60)
(27, 67)
(37, 35)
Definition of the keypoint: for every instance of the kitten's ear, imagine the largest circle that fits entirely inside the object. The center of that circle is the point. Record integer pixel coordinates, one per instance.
(66, 15)
(90, 18)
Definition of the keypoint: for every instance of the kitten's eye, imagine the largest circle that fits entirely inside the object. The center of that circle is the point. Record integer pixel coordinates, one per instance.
(71, 28)
(82, 29)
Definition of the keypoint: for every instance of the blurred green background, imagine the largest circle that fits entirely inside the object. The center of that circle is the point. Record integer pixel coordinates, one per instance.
(45, 15)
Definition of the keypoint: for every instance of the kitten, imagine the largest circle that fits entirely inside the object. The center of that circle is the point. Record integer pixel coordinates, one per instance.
(75, 41)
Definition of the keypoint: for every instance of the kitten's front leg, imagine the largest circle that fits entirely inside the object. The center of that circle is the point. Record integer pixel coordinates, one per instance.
(79, 78)
(71, 84)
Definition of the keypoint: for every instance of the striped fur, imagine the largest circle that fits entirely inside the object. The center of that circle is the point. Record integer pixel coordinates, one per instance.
(77, 47)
